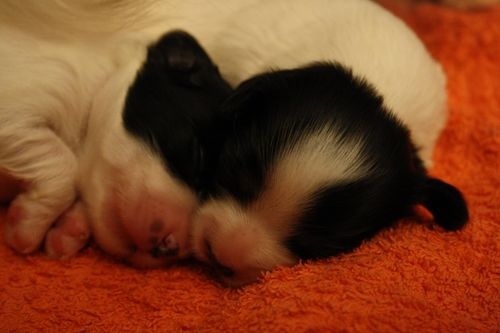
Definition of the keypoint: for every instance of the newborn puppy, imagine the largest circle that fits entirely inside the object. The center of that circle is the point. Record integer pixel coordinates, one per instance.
(318, 159)
(313, 164)
(66, 71)
(137, 160)
(169, 108)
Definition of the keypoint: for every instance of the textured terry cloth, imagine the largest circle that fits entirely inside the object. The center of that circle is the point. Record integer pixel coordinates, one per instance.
(413, 277)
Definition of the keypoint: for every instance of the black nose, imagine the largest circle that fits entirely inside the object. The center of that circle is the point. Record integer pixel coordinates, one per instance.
(167, 247)
(222, 269)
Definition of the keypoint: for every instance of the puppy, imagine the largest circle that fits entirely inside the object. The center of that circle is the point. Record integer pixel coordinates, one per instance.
(169, 110)
(144, 210)
(66, 71)
(312, 165)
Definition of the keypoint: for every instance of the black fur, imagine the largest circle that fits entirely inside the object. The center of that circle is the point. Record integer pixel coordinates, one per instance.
(445, 203)
(171, 105)
(271, 112)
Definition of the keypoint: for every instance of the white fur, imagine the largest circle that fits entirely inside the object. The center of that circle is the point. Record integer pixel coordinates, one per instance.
(65, 66)
(249, 239)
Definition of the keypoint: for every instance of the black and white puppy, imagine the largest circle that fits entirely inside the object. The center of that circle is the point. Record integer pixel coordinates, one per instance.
(313, 164)
(73, 129)
(171, 107)
(137, 170)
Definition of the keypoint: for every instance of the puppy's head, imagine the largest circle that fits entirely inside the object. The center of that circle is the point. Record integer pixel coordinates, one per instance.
(312, 165)
(147, 158)
(172, 102)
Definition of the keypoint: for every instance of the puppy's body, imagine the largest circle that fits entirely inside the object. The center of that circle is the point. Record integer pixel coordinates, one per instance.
(67, 67)
(312, 165)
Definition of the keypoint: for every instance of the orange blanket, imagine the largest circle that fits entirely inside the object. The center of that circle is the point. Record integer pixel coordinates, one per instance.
(412, 278)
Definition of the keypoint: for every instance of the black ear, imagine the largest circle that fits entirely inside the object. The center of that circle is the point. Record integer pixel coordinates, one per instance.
(446, 204)
(182, 56)
(172, 103)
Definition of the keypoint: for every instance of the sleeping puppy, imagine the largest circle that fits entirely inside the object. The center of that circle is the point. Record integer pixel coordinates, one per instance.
(313, 164)
(168, 110)
(66, 71)
(138, 159)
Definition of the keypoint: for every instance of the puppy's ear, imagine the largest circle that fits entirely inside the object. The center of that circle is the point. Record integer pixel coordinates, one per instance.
(182, 56)
(446, 204)
(172, 102)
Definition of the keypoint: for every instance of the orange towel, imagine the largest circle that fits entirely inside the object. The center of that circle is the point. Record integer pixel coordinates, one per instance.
(411, 278)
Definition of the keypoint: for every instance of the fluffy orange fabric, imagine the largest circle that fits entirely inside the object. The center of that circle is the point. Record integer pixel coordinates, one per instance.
(412, 278)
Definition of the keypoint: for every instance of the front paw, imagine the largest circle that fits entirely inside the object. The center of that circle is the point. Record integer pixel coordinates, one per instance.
(17, 236)
(69, 234)
(30, 216)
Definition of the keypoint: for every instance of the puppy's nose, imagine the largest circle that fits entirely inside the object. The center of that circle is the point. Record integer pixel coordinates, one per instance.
(166, 247)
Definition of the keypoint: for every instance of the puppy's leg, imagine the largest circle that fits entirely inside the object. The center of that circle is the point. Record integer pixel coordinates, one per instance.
(69, 234)
(47, 166)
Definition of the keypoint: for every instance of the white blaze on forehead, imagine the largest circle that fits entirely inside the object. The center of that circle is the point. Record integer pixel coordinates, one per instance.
(252, 237)
(320, 158)
(238, 238)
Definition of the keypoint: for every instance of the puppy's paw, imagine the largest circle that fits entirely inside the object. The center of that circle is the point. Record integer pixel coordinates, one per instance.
(27, 223)
(69, 234)
(18, 238)
(47, 169)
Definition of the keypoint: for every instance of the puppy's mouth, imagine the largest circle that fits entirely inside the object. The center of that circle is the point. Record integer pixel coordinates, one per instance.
(215, 263)
(112, 236)
(227, 275)
(166, 247)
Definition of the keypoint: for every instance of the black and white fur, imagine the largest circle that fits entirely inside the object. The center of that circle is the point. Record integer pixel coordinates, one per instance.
(66, 68)
(149, 158)
(313, 164)
(171, 105)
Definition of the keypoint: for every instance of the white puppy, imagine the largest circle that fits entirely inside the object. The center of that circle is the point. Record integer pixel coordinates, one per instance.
(66, 68)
